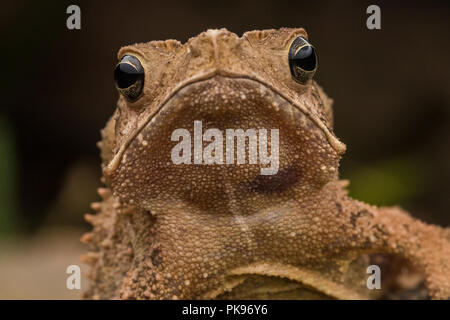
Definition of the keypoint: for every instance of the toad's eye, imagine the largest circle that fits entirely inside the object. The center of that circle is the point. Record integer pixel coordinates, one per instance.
(129, 77)
(302, 60)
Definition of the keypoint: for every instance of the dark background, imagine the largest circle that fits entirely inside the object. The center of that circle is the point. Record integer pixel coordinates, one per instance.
(390, 87)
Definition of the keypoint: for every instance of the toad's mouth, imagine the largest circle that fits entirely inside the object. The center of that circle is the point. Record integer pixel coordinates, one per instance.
(227, 100)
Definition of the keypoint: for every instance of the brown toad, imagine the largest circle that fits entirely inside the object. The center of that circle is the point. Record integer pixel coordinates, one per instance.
(168, 231)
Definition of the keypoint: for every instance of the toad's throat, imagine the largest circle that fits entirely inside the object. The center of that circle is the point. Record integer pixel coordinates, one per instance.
(218, 101)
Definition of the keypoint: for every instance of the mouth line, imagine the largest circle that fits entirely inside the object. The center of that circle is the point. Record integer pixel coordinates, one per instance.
(337, 145)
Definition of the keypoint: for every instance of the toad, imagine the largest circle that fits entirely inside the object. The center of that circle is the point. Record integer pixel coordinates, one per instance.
(197, 230)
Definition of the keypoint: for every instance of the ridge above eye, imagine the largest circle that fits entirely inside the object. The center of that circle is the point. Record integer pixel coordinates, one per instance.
(129, 77)
(302, 60)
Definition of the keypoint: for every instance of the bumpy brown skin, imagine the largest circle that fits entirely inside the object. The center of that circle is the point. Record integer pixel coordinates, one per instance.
(166, 231)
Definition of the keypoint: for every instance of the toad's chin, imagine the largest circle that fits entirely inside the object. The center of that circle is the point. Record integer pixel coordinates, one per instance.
(190, 149)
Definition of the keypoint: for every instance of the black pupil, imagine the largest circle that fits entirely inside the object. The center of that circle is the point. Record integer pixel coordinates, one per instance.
(305, 58)
(128, 72)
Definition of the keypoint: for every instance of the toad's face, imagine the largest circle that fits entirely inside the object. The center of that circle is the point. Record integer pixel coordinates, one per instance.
(262, 82)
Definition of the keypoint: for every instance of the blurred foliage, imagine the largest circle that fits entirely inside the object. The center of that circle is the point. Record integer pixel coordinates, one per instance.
(388, 182)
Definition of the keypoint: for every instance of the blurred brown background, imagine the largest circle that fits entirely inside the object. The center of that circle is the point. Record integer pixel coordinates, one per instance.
(390, 87)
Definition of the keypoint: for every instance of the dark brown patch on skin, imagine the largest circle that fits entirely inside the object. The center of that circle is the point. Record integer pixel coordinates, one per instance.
(339, 207)
(155, 257)
(355, 216)
(279, 182)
